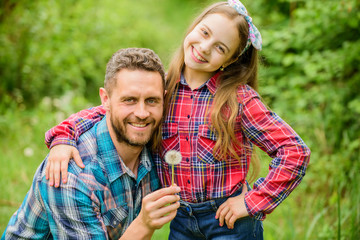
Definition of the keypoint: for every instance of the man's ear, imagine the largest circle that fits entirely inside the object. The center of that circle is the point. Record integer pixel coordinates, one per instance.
(105, 98)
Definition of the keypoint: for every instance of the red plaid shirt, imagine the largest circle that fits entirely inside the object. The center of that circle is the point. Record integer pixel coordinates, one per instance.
(201, 175)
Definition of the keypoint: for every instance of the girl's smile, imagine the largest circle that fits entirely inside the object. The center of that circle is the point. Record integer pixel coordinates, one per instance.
(210, 45)
(197, 56)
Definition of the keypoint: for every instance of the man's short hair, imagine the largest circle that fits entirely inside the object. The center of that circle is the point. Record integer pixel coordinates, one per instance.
(132, 59)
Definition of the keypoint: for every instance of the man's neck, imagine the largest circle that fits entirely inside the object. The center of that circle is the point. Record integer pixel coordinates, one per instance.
(129, 154)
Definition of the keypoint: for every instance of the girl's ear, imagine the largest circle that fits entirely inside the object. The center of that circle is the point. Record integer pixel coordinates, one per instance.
(105, 98)
(230, 62)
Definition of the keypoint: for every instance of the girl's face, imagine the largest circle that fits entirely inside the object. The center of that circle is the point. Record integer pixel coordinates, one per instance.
(210, 45)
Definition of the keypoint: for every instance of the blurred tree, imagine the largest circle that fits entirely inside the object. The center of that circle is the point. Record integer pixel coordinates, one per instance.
(50, 47)
(312, 77)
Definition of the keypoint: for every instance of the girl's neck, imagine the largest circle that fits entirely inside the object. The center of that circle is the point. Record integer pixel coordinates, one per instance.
(196, 78)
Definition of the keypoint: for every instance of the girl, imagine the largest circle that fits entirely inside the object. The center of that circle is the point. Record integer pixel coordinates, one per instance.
(214, 116)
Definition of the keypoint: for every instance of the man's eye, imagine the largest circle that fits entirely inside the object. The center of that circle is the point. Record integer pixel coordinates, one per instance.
(151, 101)
(129, 100)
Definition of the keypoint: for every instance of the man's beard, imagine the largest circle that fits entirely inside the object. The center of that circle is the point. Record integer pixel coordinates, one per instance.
(121, 136)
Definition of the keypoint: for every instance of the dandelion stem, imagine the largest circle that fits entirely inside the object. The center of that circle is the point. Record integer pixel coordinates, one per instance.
(172, 175)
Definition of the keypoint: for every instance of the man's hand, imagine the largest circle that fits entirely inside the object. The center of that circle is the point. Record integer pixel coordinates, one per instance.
(59, 158)
(233, 209)
(157, 209)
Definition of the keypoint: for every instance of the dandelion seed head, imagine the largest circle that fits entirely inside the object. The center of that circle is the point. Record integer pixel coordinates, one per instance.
(173, 157)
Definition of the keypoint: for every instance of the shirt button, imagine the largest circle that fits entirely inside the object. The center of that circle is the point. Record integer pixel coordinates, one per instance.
(114, 222)
(191, 96)
(188, 116)
(187, 159)
(189, 181)
(187, 139)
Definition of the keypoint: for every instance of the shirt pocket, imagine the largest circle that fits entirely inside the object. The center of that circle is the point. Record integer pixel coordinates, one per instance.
(170, 137)
(205, 146)
(115, 216)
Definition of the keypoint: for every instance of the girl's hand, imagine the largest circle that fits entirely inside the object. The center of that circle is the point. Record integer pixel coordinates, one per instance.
(59, 158)
(232, 209)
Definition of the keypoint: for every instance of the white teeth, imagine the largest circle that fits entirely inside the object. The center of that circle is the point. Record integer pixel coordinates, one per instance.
(138, 125)
(198, 57)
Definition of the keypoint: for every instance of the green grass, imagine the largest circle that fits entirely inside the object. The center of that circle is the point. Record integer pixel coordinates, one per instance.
(320, 208)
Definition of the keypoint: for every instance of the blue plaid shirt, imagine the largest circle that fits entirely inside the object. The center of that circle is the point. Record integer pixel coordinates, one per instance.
(98, 202)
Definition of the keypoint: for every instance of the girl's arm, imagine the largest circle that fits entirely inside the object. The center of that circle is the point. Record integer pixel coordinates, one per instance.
(69, 131)
(62, 139)
(290, 157)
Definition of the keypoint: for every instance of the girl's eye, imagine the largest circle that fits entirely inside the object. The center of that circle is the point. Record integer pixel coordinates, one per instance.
(205, 32)
(221, 49)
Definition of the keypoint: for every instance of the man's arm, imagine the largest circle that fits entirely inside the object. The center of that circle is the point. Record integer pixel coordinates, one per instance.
(29, 221)
(73, 210)
(157, 209)
(69, 212)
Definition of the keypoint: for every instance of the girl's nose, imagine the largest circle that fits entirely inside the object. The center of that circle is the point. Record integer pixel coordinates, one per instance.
(205, 46)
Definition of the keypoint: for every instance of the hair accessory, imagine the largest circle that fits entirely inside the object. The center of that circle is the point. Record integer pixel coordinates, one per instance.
(254, 37)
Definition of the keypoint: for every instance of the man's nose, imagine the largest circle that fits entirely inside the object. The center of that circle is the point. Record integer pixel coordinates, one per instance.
(141, 111)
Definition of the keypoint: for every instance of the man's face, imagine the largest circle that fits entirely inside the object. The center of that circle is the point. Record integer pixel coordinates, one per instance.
(135, 106)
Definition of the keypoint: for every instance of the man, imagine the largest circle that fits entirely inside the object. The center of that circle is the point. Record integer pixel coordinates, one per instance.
(103, 200)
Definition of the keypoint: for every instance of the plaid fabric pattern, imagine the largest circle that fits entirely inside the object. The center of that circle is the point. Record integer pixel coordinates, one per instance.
(98, 202)
(203, 175)
(69, 131)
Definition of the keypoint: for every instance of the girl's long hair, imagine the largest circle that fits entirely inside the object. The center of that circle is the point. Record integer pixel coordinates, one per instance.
(226, 107)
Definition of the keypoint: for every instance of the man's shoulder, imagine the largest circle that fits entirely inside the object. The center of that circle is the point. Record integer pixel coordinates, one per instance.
(87, 142)
(93, 170)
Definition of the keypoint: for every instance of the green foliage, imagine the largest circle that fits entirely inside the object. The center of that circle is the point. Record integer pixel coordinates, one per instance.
(311, 78)
(50, 47)
(52, 61)
(22, 147)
